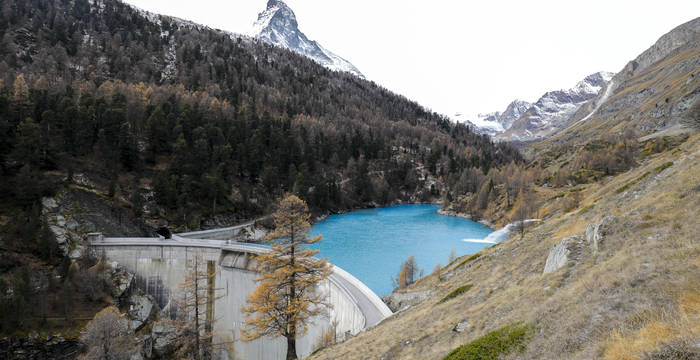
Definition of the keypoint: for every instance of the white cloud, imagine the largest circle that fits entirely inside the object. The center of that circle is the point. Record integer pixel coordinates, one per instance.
(464, 56)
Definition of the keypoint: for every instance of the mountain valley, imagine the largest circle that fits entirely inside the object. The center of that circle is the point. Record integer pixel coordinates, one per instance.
(117, 122)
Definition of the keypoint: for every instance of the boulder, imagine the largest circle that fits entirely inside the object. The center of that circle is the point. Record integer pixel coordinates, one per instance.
(77, 252)
(256, 234)
(398, 301)
(60, 234)
(461, 326)
(141, 308)
(49, 203)
(164, 335)
(121, 281)
(566, 250)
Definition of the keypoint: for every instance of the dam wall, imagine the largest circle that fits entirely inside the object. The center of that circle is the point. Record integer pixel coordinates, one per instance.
(160, 267)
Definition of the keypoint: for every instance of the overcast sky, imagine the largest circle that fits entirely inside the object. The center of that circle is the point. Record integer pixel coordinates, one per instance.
(464, 56)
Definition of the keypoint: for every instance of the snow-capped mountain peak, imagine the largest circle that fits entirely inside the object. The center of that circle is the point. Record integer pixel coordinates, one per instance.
(274, 8)
(277, 25)
(592, 84)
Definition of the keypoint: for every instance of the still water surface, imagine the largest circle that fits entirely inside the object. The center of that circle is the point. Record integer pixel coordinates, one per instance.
(372, 244)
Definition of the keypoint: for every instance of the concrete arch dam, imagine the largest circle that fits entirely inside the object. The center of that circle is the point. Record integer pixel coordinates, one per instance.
(160, 265)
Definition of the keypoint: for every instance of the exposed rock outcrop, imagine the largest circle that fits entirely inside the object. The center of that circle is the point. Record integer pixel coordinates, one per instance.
(596, 232)
(570, 249)
(398, 301)
(120, 279)
(141, 308)
(75, 212)
(454, 214)
(163, 335)
(461, 326)
(567, 251)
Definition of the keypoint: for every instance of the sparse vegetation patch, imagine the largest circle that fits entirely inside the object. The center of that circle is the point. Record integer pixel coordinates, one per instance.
(473, 257)
(456, 292)
(663, 166)
(631, 183)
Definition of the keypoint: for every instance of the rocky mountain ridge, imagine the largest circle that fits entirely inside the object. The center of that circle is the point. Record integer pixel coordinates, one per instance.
(551, 112)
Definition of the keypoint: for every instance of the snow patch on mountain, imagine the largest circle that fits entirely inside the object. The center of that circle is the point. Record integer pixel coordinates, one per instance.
(480, 123)
(277, 25)
(494, 122)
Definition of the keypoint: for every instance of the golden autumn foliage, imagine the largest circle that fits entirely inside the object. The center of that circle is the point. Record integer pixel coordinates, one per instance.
(107, 336)
(407, 274)
(286, 298)
(20, 89)
(40, 83)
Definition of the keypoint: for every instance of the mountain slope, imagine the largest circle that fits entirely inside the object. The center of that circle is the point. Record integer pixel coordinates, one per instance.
(552, 111)
(612, 270)
(656, 92)
(277, 25)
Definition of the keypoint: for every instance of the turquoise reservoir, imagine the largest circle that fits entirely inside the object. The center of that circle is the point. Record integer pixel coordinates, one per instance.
(372, 244)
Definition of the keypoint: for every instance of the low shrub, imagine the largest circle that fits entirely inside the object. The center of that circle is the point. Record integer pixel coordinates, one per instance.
(494, 344)
(663, 167)
(456, 292)
(471, 258)
(631, 183)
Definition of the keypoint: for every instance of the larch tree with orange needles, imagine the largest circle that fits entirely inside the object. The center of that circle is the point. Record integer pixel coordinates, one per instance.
(195, 311)
(286, 299)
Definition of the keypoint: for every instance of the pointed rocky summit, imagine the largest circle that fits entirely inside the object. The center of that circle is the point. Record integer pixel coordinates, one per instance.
(277, 25)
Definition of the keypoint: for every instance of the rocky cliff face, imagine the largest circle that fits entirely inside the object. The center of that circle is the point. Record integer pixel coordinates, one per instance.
(75, 212)
(513, 112)
(277, 25)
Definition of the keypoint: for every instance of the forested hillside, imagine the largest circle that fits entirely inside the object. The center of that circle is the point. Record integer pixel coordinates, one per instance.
(211, 120)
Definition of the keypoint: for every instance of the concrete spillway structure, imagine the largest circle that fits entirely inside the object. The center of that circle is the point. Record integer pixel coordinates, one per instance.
(161, 266)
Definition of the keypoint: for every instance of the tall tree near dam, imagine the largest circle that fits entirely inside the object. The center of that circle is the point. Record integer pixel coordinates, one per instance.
(286, 297)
